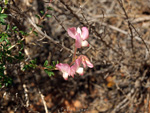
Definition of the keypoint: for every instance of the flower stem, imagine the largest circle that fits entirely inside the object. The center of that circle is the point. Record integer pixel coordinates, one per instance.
(74, 56)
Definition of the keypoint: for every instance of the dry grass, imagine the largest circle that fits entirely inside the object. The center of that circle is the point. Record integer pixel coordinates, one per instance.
(119, 49)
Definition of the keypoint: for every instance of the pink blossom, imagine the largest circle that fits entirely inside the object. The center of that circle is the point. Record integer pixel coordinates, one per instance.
(79, 36)
(76, 67)
(68, 70)
(65, 69)
(86, 62)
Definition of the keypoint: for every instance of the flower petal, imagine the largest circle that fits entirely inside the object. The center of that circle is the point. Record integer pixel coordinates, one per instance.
(72, 32)
(80, 71)
(79, 30)
(89, 64)
(86, 61)
(73, 70)
(65, 69)
(75, 66)
(78, 41)
(85, 33)
(65, 75)
(85, 43)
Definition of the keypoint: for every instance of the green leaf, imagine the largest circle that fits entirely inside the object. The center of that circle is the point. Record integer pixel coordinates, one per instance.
(31, 65)
(57, 62)
(25, 67)
(48, 15)
(36, 34)
(37, 16)
(4, 37)
(33, 61)
(39, 25)
(50, 73)
(2, 17)
(54, 63)
(0, 9)
(42, 12)
(15, 27)
(49, 67)
(8, 26)
(6, 2)
(23, 33)
(20, 56)
(30, 29)
(49, 8)
(45, 63)
(20, 41)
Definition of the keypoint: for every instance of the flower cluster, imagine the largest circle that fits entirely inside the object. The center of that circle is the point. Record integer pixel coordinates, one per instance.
(80, 41)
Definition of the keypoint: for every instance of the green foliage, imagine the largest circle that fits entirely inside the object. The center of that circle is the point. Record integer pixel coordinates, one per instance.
(46, 63)
(37, 16)
(4, 37)
(20, 56)
(2, 17)
(5, 57)
(14, 28)
(42, 12)
(48, 68)
(11, 48)
(23, 33)
(4, 80)
(50, 73)
(48, 15)
(6, 2)
(49, 8)
(30, 65)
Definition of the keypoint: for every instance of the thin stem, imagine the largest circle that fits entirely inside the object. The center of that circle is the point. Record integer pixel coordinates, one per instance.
(74, 56)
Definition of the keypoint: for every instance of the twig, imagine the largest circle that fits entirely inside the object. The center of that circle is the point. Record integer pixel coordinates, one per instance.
(42, 96)
(115, 28)
(147, 103)
(26, 95)
(122, 31)
(59, 22)
(129, 24)
(38, 29)
(48, 37)
(141, 19)
(44, 103)
(140, 37)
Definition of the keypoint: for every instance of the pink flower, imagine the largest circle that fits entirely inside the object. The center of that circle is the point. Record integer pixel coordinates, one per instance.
(65, 69)
(81, 59)
(68, 70)
(79, 36)
(86, 62)
(76, 67)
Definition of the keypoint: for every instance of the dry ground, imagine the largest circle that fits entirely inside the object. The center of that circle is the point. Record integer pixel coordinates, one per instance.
(119, 49)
